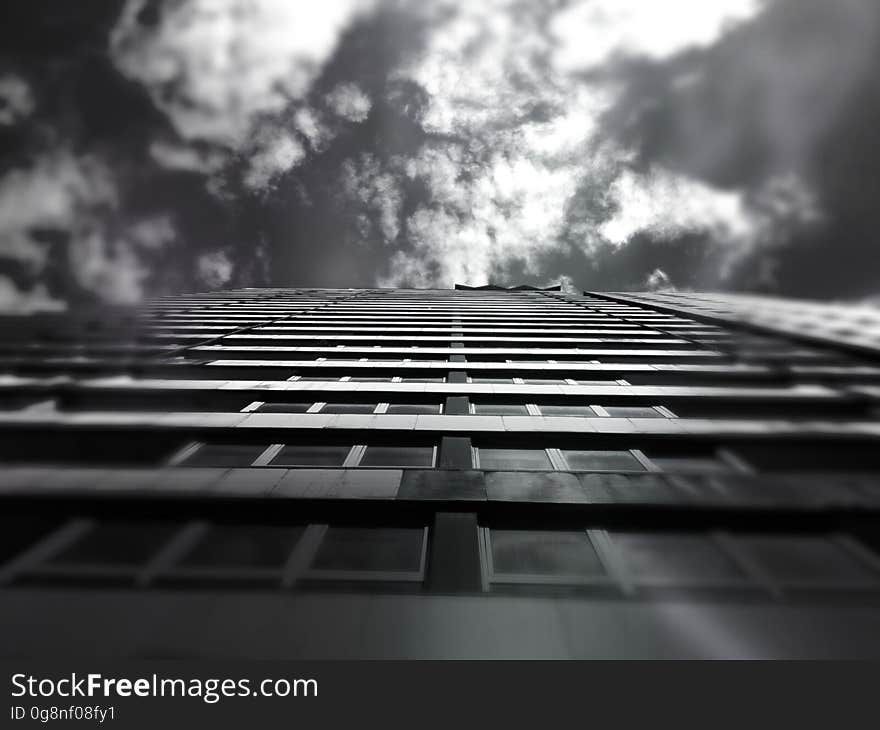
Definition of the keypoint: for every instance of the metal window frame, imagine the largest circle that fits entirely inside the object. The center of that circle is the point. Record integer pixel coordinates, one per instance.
(307, 466)
(475, 456)
(491, 578)
(374, 576)
(637, 454)
(472, 406)
(540, 412)
(355, 459)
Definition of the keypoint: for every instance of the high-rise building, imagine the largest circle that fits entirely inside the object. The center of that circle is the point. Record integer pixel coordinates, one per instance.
(477, 472)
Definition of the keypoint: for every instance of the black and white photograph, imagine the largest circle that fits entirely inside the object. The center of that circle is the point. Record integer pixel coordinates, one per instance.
(433, 330)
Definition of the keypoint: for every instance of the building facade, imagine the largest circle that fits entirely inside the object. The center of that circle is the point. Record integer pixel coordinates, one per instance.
(476, 472)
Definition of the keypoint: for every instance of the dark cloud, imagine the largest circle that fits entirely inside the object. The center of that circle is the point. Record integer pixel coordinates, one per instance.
(792, 93)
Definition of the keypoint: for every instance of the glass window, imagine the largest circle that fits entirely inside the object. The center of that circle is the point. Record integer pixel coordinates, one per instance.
(225, 455)
(284, 407)
(675, 557)
(365, 379)
(500, 409)
(117, 543)
(398, 456)
(354, 549)
(243, 546)
(414, 408)
(793, 559)
(348, 408)
(504, 381)
(548, 552)
(544, 381)
(632, 412)
(602, 460)
(514, 459)
(423, 380)
(311, 455)
(573, 410)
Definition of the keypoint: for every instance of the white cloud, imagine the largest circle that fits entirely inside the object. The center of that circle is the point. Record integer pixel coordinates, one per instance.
(376, 192)
(588, 33)
(113, 263)
(526, 171)
(18, 302)
(482, 218)
(52, 192)
(309, 124)
(215, 269)
(274, 155)
(16, 99)
(658, 280)
(515, 167)
(666, 205)
(224, 71)
(77, 197)
(349, 102)
(176, 156)
(214, 66)
(114, 271)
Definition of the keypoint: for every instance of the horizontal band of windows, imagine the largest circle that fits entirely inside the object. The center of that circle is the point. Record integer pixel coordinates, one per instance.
(123, 392)
(483, 457)
(569, 409)
(308, 455)
(638, 561)
(503, 459)
(668, 460)
(145, 553)
(779, 564)
(343, 408)
(258, 354)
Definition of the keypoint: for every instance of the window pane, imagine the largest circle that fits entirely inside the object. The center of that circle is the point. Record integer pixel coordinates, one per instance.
(370, 549)
(632, 412)
(517, 552)
(311, 455)
(553, 410)
(796, 558)
(422, 380)
(284, 407)
(118, 543)
(414, 408)
(243, 546)
(500, 409)
(514, 459)
(602, 461)
(675, 557)
(364, 379)
(492, 380)
(225, 455)
(348, 408)
(398, 456)
(544, 381)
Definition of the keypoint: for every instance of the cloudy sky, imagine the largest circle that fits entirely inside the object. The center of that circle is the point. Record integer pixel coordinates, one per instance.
(178, 145)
